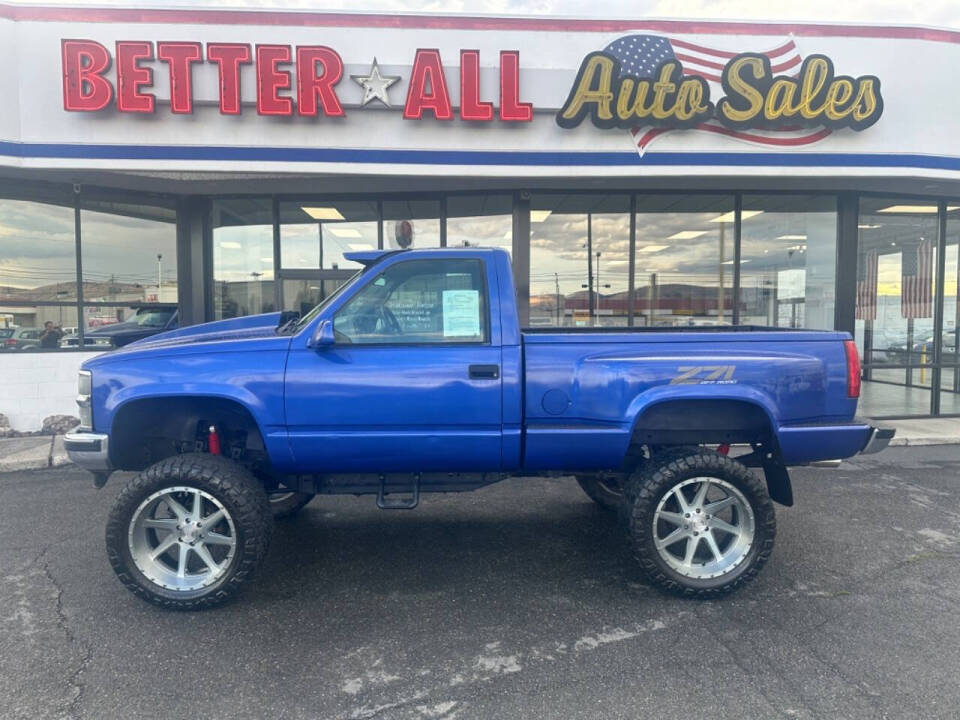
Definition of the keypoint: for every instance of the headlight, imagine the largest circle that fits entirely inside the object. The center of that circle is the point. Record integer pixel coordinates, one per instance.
(84, 392)
(85, 383)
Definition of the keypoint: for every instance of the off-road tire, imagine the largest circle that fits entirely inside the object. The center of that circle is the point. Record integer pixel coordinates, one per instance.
(648, 485)
(601, 491)
(239, 492)
(287, 504)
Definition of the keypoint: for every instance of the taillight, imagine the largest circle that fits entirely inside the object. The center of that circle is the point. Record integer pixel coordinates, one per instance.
(853, 368)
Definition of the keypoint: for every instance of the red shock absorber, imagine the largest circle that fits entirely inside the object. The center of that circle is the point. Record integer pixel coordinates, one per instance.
(213, 440)
(724, 449)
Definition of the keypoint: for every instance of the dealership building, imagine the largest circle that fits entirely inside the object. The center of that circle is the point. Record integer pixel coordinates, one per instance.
(180, 166)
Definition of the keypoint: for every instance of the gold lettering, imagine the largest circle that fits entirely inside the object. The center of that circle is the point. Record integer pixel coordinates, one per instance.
(814, 78)
(661, 88)
(780, 99)
(741, 87)
(690, 100)
(596, 79)
(838, 95)
(866, 102)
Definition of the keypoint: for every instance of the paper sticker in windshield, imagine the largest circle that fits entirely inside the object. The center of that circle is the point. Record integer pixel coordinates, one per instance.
(461, 313)
(705, 375)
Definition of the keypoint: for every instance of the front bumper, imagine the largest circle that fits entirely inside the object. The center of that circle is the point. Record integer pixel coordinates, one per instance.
(89, 450)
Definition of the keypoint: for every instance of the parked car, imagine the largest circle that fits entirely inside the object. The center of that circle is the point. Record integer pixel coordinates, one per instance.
(94, 343)
(146, 321)
(415, 377)
(23, 338)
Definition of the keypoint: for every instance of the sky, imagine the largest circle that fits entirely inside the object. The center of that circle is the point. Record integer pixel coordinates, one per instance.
(940, 13)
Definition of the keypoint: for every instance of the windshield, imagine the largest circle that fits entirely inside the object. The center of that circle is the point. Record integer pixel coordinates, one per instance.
(305, 320)
(6, 332)
(153, 318)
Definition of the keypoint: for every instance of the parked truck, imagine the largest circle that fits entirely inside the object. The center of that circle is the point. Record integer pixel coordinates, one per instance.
(415, 377)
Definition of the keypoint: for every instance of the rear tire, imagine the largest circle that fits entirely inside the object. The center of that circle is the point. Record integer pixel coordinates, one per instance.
(188, 532)
(603, 490)
(285, 504)
(700, 523)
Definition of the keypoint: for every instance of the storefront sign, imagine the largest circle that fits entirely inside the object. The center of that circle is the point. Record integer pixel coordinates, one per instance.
(643, 80)
(304, 77)
(424, 95)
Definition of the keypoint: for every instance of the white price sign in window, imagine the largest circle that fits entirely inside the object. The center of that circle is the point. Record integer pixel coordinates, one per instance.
(461, 313)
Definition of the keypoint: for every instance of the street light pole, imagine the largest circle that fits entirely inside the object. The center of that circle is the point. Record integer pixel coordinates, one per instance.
(159, 275)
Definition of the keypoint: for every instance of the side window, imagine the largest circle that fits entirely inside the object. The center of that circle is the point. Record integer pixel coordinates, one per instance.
(416, 302)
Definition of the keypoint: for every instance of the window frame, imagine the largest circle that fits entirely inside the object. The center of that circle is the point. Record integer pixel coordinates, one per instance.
(485, 312)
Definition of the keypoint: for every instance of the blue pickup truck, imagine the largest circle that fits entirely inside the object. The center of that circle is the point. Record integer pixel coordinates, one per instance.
(416, 377)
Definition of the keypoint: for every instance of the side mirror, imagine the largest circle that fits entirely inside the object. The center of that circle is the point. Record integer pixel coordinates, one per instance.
(323, 335)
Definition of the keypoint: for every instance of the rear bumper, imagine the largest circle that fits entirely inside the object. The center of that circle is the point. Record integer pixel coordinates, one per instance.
(801, 445)
(89, 450)
(879, 439)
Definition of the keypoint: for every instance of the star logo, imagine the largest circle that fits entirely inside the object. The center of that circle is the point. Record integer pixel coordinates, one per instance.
(375, 85)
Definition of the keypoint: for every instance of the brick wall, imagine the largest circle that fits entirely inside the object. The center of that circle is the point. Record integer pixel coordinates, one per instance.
(34, 385)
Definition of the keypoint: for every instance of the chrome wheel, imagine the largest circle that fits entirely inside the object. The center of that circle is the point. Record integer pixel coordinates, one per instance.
(703, 527)
(182, 538)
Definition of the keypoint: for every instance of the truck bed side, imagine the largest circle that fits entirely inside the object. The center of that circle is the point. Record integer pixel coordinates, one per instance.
(587, 394)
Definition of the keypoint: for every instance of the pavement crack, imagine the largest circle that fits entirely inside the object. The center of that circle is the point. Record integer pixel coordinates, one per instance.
(747, 672)
(75, 679)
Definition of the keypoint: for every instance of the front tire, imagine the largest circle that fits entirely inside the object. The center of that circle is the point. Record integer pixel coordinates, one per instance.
(188, 532)
(700, 523)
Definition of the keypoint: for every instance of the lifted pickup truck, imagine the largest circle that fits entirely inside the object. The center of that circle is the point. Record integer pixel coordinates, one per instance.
(416, 377)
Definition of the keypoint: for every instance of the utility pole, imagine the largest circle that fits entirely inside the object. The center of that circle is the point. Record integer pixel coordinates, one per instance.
(556, 281)
(590, 265)
(159, 275)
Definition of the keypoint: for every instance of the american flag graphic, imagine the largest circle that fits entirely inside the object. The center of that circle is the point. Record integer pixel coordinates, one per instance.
(916, 271)
(640, 55)
(867, 286)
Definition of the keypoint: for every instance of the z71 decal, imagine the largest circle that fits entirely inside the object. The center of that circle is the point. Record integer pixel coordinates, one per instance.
(705, 375)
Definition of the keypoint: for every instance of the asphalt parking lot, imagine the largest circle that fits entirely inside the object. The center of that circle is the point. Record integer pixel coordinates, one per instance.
(517, 601)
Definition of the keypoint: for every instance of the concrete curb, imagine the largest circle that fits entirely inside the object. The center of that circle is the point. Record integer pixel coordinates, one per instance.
(39, 457)
(923, 441)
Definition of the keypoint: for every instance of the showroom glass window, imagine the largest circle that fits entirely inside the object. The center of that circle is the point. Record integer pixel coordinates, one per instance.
(579, 259)
(38, 274)
(950, 338)
(788, 261)
(480, 221)
(411, 224)
(684, 260)
(315, 233)
(129, 258)
(243, 273)
(896, 268)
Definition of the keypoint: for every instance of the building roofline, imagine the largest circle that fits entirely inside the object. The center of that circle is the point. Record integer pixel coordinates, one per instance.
(281, 17)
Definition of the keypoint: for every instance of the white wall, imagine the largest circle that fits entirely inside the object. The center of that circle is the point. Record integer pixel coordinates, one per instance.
(34, 385)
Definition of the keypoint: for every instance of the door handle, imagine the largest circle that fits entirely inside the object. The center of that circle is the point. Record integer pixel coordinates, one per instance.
(484, 372)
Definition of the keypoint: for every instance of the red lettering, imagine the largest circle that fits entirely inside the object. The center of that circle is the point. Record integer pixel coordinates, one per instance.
(180, 56)
(470, 106)
(270, 80)
(229, 57)
(84, 87)
(131, 77)
(511, 109)
(427, 70)
(310, 85)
